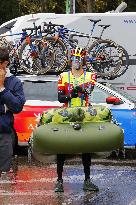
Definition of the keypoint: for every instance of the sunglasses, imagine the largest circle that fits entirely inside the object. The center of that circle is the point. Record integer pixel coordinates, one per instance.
(77, 58)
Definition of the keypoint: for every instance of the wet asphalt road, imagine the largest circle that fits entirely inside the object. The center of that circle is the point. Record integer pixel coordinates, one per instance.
(34, 184)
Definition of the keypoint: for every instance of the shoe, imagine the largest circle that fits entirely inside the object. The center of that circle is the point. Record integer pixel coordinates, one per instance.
(59, 186)
(113, 155)
(89, 186)
(4, 176)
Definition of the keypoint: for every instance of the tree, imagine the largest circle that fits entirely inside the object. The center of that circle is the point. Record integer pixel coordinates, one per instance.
(90, 5)
(42, 6)
(8, 10)
(131, 5)
(105, 5)
(97, 6)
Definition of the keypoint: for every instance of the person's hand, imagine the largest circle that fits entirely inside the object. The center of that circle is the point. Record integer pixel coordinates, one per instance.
(79, 89)
(2, 77)
(74, 93)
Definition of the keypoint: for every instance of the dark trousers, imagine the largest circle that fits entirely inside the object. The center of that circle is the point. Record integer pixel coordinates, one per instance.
(86, 160)
(6, 151)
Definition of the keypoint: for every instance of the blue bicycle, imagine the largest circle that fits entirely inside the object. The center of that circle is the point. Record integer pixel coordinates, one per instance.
(25, 53)
(104, 56)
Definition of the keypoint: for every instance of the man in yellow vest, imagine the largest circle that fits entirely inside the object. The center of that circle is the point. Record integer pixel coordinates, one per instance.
(73, 91)
(73, 85)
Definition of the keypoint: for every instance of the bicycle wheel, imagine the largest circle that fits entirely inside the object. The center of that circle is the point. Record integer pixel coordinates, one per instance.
(14, 64)
(31, 56)
(6, 44)
(60, 51)
(124, 65)
(105, 56)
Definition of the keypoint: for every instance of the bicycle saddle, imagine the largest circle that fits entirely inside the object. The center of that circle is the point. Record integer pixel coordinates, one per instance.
(95, 21)
(104, 26)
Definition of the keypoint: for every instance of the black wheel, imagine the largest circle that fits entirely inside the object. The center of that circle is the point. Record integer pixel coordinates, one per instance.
(31, 57)
(6, 44)
(60, 51)
(13, 69)
(124, 65)
(13, 56)
(106, 58)
(14, 63)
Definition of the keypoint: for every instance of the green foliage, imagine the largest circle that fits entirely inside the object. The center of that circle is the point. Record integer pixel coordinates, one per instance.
(131, 5)
(41, 6)
(105, 5)
(10, 9)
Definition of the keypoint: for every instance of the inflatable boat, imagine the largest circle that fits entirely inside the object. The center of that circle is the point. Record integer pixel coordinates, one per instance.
(76, 130)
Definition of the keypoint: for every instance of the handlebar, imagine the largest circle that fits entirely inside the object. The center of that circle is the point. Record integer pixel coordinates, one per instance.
(53, 25)
(50, 27)
(36, 28)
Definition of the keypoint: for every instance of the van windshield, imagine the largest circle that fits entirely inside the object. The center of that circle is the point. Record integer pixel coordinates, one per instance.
(5, 28)
(41, 91)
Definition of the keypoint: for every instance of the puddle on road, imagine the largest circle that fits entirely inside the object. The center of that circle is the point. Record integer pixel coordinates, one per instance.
(34, 184)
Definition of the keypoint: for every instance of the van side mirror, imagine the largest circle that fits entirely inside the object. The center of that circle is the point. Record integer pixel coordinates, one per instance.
(113, 100)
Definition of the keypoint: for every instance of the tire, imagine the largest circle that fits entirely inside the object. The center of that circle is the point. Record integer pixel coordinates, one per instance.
(124, 66)
(13, 68)
(109, 63)
(6, 44)
(60, 51)
(32, 62)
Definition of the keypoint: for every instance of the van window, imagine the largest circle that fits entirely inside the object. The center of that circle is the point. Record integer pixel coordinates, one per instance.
(41, 91)
(3, 29)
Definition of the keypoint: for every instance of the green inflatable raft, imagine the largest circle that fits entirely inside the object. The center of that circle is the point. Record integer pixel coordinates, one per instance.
(76, 130)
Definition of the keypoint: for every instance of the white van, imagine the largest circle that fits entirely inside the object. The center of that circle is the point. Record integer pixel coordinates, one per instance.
(122, 31)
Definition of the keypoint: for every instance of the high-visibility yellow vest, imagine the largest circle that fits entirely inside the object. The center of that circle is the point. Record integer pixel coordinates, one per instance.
(67, 81)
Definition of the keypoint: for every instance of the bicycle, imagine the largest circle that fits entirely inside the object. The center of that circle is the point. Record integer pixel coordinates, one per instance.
(122, 56)
(102, 56)
(61, 44)
(25, 54)
(35, 48)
